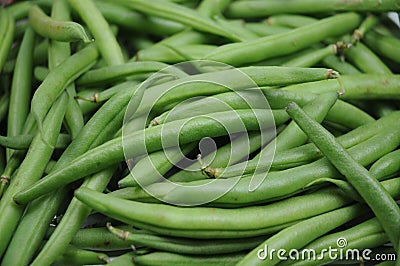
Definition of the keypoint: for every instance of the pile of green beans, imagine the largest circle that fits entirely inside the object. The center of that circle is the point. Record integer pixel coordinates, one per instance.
(199, 132)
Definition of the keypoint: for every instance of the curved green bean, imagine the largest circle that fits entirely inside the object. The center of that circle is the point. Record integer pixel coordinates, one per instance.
(369, 188)
(64, 31)
(237, 54)
(59, 78)
(22, 142)
(21, 86)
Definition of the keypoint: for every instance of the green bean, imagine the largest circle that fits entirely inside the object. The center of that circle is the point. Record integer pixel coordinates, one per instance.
(300, 234)
(257, 8)
(263, 29)
(7, 32)
(150, 169)
(312, 58)
(342, 67)
(287, 182)
(76, 256)
(21, 86)
(289, 20)
(163, 258)
(180, 14)
(100, 239)
(387, 166)
(31, 169)
(166, 55)
(369, 22)
(4, 102)
(231, 153)
(357, 87)
(2, 164)
(220, 102)
(40, 73)
(112, 151)
(386, 46)
(216, 82)
(104, 95)
(285, 43)
(365, 60)
(123, 260)
(369, 188)
(290, 137)
(58, 79)
(64, 31)
(105, 39)
(197, 219)
(22, 142)
(185, 245)
(129, 19)
(111, 74)
(357, 237)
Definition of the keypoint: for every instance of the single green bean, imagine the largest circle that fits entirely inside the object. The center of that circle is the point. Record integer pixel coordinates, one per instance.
(337, 64)
(30, 170)
(237, 54)
(197, 219)
(113, 151)
(300, 234)
(262, 29)
(164, 54)
(76, 256)
(387, 46)
(387, 166)
(22, 142)
(217, 82)
(64, 31)
(357, 87)
(369, 22)
(123, 260)
(365, 60)
(7, 32)
(259, 8)
(59, 78)
(104, 38)
(369, 188)
(290, 20)
(185, 245)
(312, 58)
(110, 74)
(100, 239)
(102, 96)
(180, 14)
(20, 94)
(2, 164)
